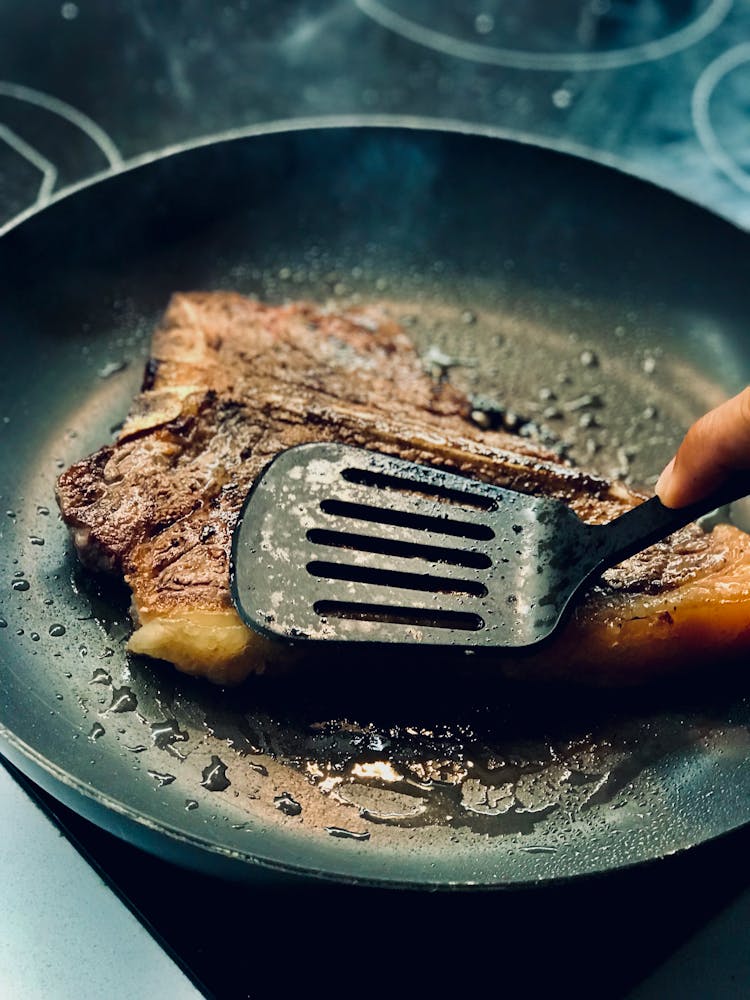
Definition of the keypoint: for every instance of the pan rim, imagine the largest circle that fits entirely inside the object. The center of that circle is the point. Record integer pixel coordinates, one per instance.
(251, 861)
(418, 123)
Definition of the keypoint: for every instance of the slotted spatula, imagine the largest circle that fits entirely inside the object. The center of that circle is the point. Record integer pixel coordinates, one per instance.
(347, 545)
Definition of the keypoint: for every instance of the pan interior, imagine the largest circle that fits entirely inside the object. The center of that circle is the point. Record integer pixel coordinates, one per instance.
(575, 304)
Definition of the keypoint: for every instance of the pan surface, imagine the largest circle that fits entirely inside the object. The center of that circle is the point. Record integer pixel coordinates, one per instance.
(604, 313)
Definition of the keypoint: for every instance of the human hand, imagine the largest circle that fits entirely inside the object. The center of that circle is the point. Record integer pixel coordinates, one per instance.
(715, 446)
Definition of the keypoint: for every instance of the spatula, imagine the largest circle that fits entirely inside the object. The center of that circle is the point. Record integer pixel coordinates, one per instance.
(347, 545)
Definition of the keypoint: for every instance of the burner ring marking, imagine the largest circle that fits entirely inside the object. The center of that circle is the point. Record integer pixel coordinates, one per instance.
(678, 40)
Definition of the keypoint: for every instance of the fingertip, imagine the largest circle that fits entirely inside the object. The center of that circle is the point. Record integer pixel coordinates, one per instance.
(664, 484)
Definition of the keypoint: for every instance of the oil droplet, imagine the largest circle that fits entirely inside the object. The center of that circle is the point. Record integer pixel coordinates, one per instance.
(161, 778)
(44, 511)
(19, 631)
(190, 804)
(3, 623)
(20, 585)
(59, 697)
(97, 730)
(34, 636)
(56, 630)
(165, 734)
(215, 775)
(589, 359)
(112, 368)
(100, 676)
(344, 834)
(36, 539)
(123, 700)
(286, 804)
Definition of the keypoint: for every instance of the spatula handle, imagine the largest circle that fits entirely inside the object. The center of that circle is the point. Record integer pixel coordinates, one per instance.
(651, 521)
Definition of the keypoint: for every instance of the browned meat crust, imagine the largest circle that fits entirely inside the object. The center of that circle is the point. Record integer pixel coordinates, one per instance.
(230, 383)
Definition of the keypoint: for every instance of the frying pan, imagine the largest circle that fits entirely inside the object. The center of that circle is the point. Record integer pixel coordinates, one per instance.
(535, 279)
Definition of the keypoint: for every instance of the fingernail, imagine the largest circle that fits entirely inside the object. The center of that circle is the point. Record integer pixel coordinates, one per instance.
(664, 478)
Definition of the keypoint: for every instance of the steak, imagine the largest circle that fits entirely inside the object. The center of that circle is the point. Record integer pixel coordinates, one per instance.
(231, 382)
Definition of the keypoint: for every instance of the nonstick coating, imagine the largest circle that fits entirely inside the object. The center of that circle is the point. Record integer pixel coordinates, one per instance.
(535, 279)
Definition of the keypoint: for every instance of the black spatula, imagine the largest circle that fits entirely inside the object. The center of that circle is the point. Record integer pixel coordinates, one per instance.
(343, 544)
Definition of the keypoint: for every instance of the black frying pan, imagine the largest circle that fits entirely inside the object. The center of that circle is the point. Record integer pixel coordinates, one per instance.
(539, 281)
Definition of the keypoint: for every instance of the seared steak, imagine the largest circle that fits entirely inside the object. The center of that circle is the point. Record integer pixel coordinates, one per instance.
(231, 382)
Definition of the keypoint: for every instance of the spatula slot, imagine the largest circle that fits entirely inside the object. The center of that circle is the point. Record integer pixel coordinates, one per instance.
(421, 617)
(407, 519)
(403, 550)
(419, 488)
(393, 578)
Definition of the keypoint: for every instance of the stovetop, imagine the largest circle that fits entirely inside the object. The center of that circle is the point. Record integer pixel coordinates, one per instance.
(658, 88)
